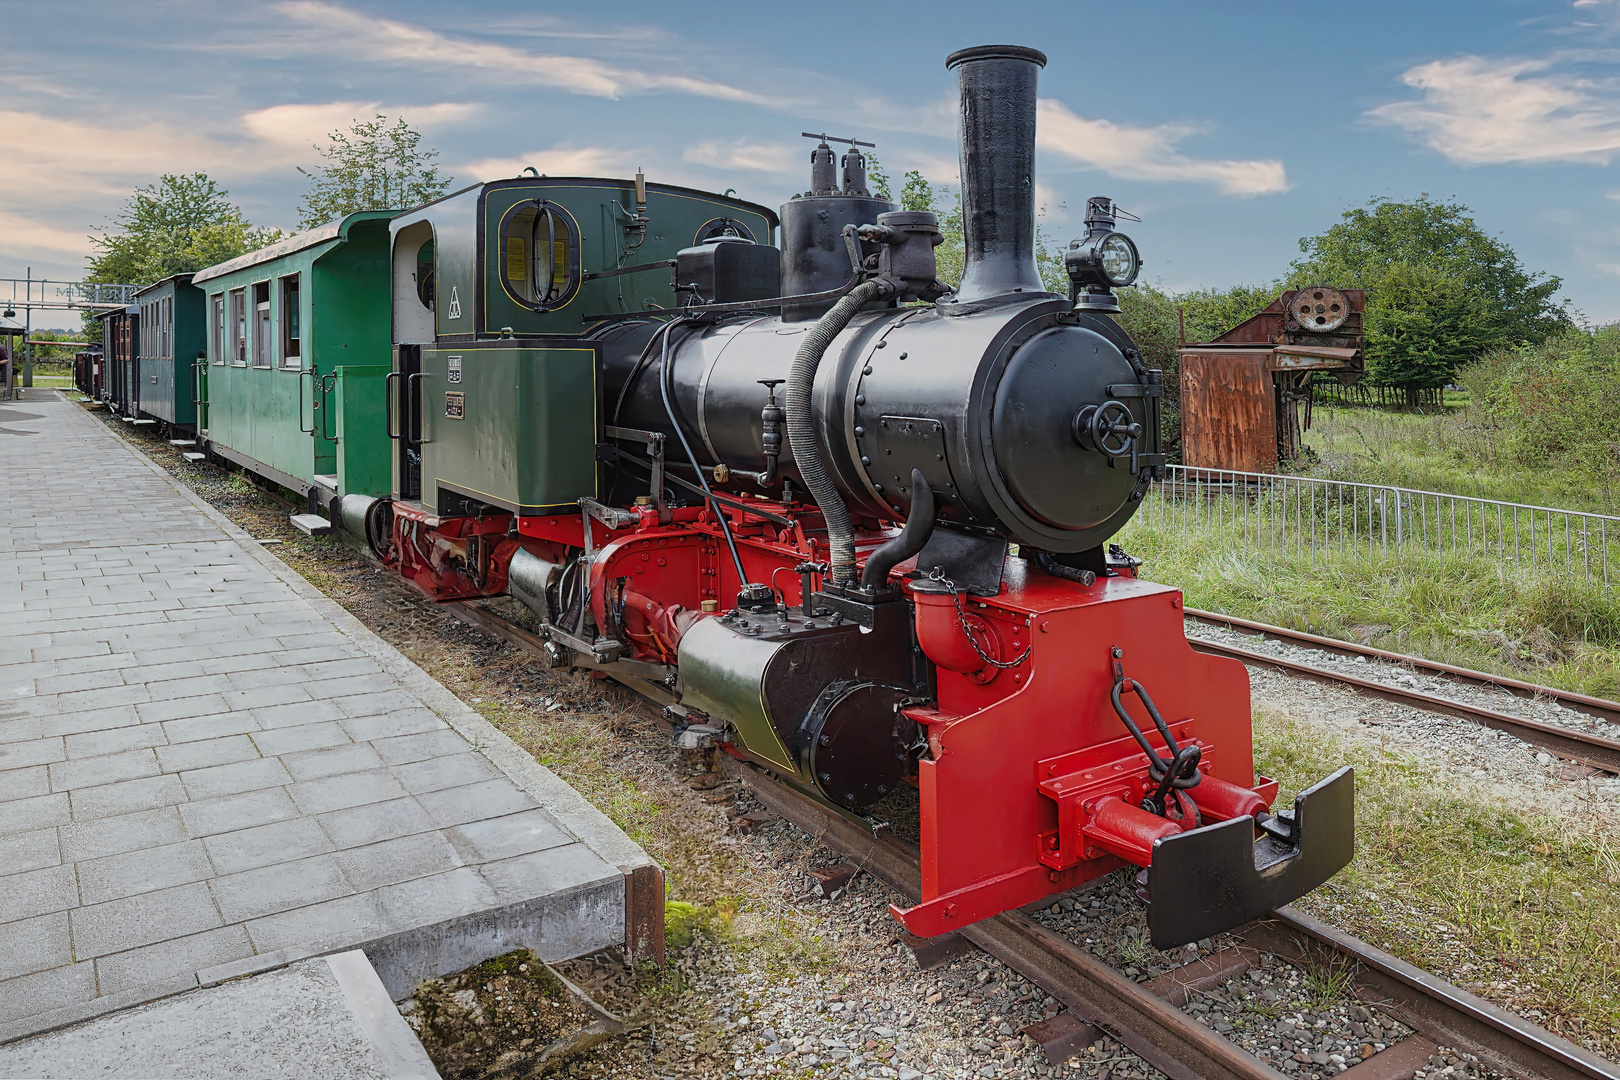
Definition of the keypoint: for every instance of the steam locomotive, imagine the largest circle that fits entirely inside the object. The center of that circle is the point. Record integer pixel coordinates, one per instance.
(847, 524)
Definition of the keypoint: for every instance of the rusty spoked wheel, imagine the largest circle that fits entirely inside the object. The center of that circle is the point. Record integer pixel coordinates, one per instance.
(1319, 309)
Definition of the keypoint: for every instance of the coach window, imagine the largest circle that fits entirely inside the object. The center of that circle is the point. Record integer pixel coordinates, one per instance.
(262, 356)
(239, 327)
(290, 317)
(216, 328)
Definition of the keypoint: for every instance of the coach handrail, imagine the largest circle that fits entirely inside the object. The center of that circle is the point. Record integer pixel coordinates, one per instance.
(388, 404)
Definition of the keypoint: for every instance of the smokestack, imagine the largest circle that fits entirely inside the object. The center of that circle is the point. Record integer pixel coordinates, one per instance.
(997, 136)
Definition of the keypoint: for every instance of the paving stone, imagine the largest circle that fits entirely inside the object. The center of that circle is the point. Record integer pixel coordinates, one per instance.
(233, 812)
(406, 722)
(393, 861)
(29, 851)
(350, 789)
(204, 753)
(58, 988)
(265, 696)
(403, 749)
(127, 832)
(37, 892)
(279, 842)
(134, 921)
(181, 707)
(42, 811)
(126, 797)
(176, 956)
(238, 776)
(382, 703)
(142, 870)
(436, 774)
(459, 805)
(346, 758)
(269, 889)
(214, 726)
(79, 723)
(425, 901)
(24, 783)
(90, 772)
(286, 742)
(297, 714)
(29, 945)
(491, 839)
(375, 822)
(20, 755)
(351, 918)
(114, 740)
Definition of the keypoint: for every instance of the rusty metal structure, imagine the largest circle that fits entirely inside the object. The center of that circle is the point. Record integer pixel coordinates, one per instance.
(1245, 397)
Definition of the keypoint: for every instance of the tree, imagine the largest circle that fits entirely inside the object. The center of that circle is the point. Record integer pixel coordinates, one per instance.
(372, 166)
(177, 225)
(877, 180)
(1425, 325)
(1514, 305)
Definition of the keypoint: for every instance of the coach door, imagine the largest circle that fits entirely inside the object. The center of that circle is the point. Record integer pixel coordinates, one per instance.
(405, 420)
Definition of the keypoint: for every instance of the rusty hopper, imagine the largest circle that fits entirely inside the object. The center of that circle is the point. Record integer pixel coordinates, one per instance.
(1241, 393)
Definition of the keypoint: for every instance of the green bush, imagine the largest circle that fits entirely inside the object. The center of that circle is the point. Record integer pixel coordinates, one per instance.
(1556, 401)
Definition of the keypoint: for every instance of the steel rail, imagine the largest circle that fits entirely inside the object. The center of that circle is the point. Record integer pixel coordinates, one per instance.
(1593, 750)
(1152, 1027)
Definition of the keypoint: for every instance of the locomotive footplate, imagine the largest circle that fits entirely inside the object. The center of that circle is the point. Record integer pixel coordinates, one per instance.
(1214, 878)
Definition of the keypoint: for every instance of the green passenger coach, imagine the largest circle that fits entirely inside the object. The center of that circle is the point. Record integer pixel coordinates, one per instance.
(501, 293)
(173, 334)
(298, 354)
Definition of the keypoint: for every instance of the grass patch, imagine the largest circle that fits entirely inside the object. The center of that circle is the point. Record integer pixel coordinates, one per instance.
(1459, 451)
(1461, 609)
(1513, 903)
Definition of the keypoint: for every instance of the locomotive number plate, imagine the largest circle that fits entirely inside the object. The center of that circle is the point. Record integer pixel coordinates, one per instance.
(455, 404)
(455, 370)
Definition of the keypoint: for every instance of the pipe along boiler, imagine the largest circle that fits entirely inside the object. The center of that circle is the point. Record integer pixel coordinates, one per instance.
(848, 524)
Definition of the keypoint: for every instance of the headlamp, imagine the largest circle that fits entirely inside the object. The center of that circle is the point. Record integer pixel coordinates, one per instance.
(1102, 260)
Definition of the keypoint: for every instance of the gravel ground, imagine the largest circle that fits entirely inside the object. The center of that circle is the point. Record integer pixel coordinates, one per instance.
(777, 981)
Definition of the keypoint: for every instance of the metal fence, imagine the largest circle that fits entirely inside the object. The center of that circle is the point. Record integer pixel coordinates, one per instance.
(1320, 518)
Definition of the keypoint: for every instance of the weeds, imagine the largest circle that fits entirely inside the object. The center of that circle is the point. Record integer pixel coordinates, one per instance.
(1452, 879)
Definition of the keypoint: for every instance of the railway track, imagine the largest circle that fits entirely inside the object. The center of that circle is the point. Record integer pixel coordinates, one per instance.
(1146, 1017)
(1588, 749)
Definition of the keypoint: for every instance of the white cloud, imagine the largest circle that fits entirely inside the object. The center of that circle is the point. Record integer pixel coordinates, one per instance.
(1482, 111)
(52, 159)
(358, 36)
(741, 154)
(556, 161)
(26, 233)
(1149, 153)
(298, 128)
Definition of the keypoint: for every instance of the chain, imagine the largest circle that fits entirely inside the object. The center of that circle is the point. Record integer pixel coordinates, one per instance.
(961, 617)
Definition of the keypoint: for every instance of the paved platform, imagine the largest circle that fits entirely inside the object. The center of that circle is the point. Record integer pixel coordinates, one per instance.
(322, 1019)
(208, 769)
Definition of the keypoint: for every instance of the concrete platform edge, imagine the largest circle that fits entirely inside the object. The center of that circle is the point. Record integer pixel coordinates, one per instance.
(398, 1047)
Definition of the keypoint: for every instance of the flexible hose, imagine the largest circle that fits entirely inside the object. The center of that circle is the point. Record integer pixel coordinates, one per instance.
(912, 539)
(801, 427)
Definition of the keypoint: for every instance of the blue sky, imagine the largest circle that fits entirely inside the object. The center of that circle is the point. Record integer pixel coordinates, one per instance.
(1232, 130)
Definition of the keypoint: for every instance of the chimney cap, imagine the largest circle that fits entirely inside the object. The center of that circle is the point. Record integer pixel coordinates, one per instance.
(996, 52)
